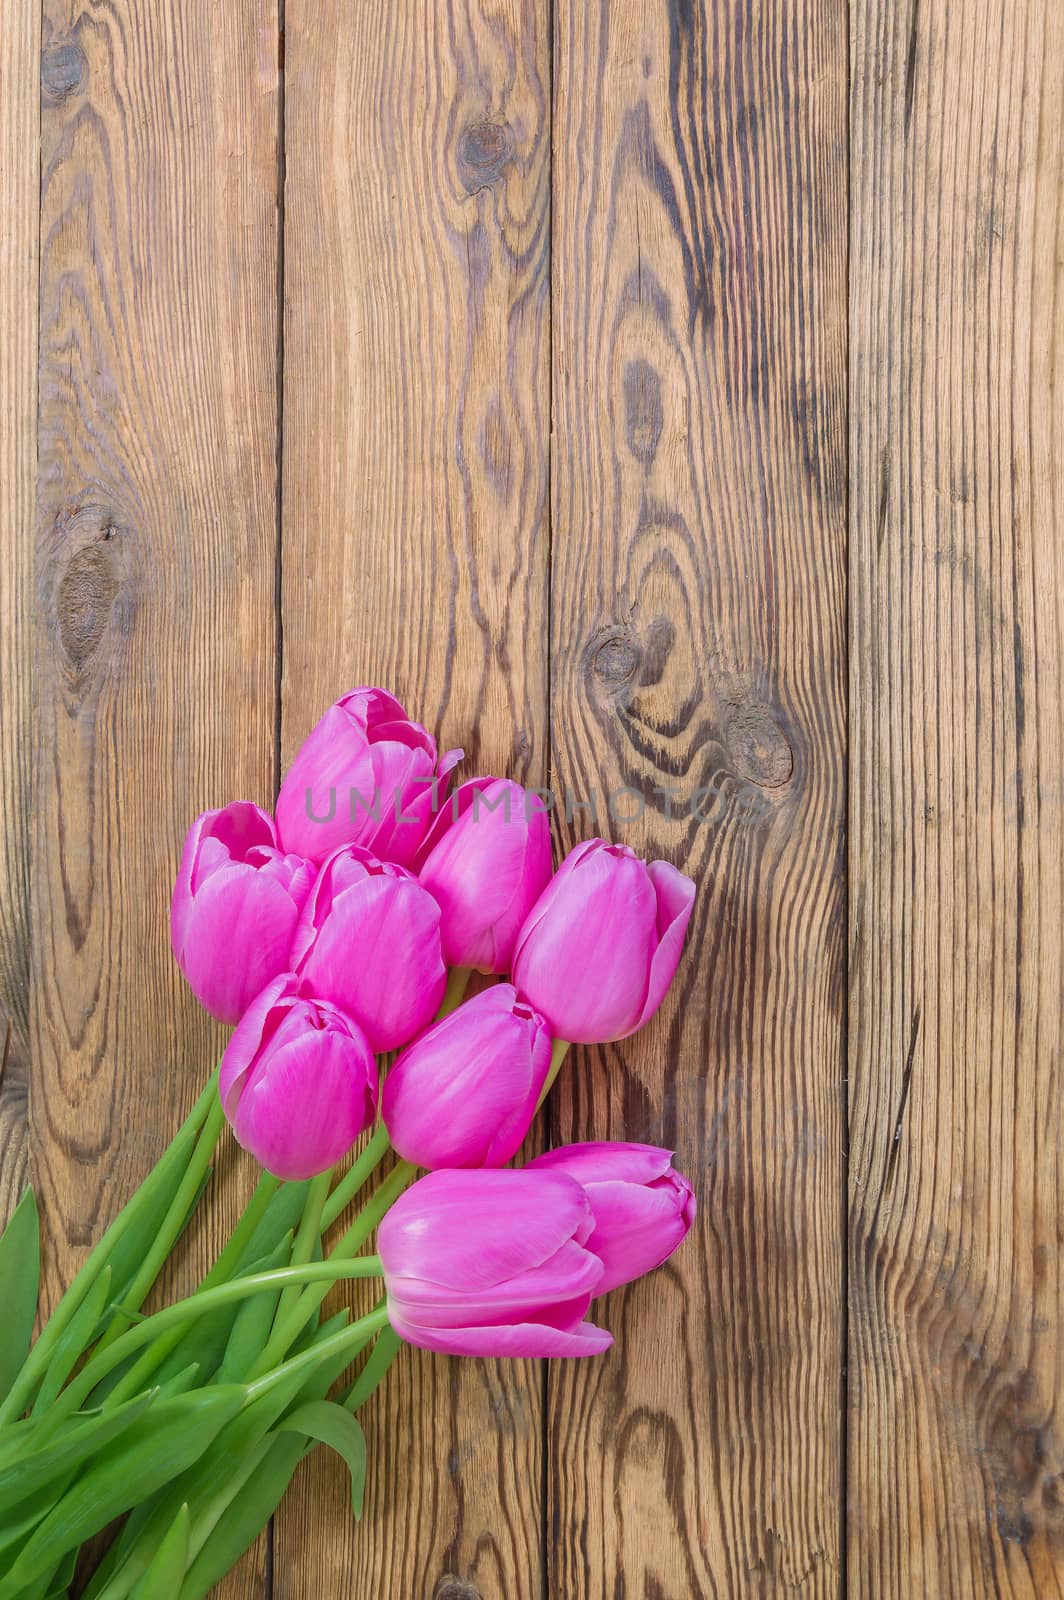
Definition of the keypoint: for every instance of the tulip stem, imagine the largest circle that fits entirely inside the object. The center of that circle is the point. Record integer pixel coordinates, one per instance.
(353, 1337)
(105, 1361)
(457, 984)
(171, 1225)
(355, 1177)
(558, 1053)
(282, 1337)
(385, 1349)
(306, 1238)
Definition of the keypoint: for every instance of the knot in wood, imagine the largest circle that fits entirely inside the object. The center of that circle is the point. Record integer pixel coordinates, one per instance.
(86, 594)
(484, 150)
(63, 69)
(450, 1588)
(642, 410)
(759, 748)
(615, 660)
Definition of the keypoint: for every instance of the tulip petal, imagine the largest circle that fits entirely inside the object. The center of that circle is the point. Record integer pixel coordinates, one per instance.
(425, 1234)
(236, 936)
(603, 1161)
(558, 1289)
(636, 1229)
(307, 1103)
(675, 896)
(525, 1339)
(255, 1028)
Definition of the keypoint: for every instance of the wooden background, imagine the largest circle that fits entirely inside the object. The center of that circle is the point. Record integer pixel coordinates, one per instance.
(665, 394)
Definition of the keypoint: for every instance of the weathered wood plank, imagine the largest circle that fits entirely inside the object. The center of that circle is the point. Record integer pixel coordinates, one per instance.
(414, 555)
(698, 599)
(155, 562)
(957, 888)
(20, 29)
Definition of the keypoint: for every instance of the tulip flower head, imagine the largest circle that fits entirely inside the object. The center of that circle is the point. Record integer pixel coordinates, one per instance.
(235, 906)
(369, 941)
(465, 1092)
(366, 774)
(643, 1208)
(486, 860)
(601, 944)
(298, 1082)
(492, 1263)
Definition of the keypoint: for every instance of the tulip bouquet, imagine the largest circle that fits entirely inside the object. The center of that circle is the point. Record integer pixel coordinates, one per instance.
(332, 935)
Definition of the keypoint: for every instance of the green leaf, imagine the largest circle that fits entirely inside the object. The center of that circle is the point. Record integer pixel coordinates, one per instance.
(81, 1438)
(154, 1450)
(72, 1343)
(20, 1272)
(328, 1423)
(282, 1216)
(253, 1320)
(166, 1574)
(245, 1517)
(63, 1576)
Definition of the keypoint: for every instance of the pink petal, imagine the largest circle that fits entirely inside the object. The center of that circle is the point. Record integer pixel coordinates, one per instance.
(675, 897)
(602, 1161)
(525, 1339)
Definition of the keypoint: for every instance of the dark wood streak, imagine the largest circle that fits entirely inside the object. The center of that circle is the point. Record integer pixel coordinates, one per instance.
(956, 1445)
(697, 640)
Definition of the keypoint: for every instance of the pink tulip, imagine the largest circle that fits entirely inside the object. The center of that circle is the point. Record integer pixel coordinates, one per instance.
(298, 1082)
(486, 859)
(492, 1263)
(643, 1208)
(369, 941)
(602, 942)
(364, 775)
(465, 1092)
(235, 906)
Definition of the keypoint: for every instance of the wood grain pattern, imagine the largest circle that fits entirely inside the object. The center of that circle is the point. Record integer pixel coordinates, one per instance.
(155, 562)
(20, 30)
(956, 663)
(698, 632)
(416, 424)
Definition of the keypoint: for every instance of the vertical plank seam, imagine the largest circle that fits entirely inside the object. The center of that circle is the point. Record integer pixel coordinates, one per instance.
(278, 608)
(544, 1442)
(844, 1309)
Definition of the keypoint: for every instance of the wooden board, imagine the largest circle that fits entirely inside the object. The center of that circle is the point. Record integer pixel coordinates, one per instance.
(957, 874)
(414, 552)
(20, 29)
(698, 643)
(155, 563)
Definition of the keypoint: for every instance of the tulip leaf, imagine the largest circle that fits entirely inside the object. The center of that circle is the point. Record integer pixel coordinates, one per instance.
(328, 1423)
(73, 1341)
(82, 1438)
(157, 1447)
(20, 1272)
(282, 1216)
(62, 1577)
(253, 1320)
(245, 1516)
(166, 1574)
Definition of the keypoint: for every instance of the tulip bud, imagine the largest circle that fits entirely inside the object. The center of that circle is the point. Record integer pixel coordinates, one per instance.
(298, 1082)
(492, 1263)
(369, 941)
(485, 861)
(465, 1092)
(602, 942)
(235, 906)
(364, 775)
(643, 1208)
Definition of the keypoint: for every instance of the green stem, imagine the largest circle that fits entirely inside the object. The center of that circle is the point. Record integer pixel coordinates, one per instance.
(351, 1338)
(355, 1177)
(105, 1361)
(557, 1055)
(284, 1335)
(385, 1349)
(135, 1379)
(172, 1223)
(457, 984)
(306, 1238)
(36, 1363)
